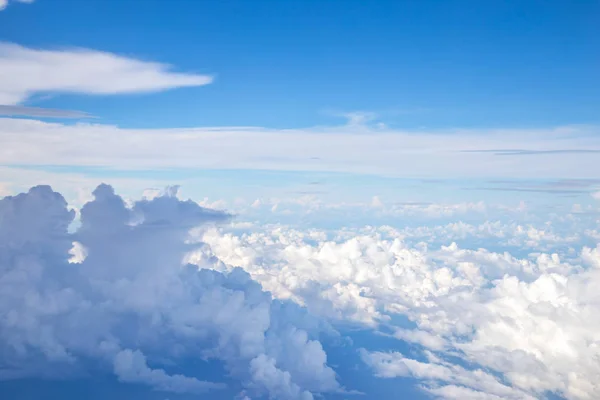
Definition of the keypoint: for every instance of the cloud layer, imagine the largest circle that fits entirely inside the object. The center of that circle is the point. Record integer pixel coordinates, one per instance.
(347, 149)
(162, 282)
(484, 324)
(25, 72)
(123, 301)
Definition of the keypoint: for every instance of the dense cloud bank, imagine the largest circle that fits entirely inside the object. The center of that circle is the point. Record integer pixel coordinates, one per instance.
(148, 287)
(482, 324)
(123, 301)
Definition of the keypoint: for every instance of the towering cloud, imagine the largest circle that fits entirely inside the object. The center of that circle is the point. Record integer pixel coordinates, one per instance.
(128, 303)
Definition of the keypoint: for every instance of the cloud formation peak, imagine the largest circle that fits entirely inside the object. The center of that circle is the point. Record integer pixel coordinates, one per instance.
(128, 303)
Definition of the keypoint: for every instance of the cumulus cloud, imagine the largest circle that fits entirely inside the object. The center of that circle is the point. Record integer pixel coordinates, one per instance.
(26, 71)
(277, 381)
(475, 383)
(161, 281)
(485, 324)
(130, 366)
(124, 300)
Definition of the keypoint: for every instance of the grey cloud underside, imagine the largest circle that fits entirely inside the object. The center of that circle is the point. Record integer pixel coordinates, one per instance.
(128, 304)
(524, 152)
(572, 187)
(560, 183)
(520, 189)
(39, 112)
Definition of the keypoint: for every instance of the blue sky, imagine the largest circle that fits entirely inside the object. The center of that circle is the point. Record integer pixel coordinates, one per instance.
(293, 63)
(387, 198)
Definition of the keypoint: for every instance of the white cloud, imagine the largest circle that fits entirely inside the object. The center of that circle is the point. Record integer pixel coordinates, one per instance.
(27, 71)
(484, 324)
(527, 322)
(460, 393)
(338, 149)
(478, 383)
(126, 301)
(278, 382)
(358, 118)
(130, 366)
(376, 202)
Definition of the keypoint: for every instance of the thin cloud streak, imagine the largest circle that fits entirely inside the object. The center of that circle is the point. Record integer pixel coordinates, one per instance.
(361, 150)
(521, 152)
(519, 189)
(39, 112)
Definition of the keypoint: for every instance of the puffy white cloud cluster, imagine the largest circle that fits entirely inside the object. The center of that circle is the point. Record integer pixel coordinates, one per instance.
(457, 382)
(123, 300)
(504, 234)
(484, 324)
(312, 203)
(489, 325)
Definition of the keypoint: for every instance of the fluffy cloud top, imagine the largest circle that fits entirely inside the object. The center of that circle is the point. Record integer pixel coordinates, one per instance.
(162, 281)
(488, 325)
(127, 303)
(26, 71)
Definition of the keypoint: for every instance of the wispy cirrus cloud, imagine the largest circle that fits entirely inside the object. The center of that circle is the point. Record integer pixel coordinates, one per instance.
(565, 187)
(28, 71)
